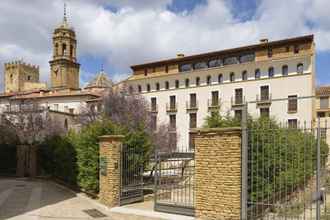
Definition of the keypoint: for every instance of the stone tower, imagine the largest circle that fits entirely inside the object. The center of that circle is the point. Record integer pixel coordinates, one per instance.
(64, 67)
(20, 76)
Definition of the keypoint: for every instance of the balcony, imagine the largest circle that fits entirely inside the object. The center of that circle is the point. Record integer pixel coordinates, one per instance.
(265, 99)
(192, 106)
(213, 104)
(153, 109)
(171, 107)
(237, 102)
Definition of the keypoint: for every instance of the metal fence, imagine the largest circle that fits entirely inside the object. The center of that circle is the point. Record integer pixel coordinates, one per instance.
(174, 182)
(285, 172)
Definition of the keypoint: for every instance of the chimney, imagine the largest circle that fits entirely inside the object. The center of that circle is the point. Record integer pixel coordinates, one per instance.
(180, 55)
(264, 40)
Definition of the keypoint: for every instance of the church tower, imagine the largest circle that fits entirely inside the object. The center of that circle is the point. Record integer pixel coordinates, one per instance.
(64, 67)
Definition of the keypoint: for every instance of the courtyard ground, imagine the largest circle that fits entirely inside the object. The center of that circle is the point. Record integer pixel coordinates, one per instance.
(26, 199)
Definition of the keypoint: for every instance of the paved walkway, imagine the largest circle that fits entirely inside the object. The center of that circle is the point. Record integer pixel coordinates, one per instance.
(23, 199)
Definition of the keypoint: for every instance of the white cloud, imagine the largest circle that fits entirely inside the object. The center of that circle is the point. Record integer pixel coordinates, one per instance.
(145, 30)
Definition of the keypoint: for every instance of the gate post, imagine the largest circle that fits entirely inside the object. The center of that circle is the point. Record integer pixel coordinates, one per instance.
(218, 173)
(110, 150)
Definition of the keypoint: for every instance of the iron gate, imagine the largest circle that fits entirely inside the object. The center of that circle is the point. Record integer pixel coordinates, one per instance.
(287, 170)
(174, 183)
(132, 162)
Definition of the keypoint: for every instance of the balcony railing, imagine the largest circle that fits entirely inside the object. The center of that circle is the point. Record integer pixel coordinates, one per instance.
(265, 99)
(153, 108)
(237, 101)
(24, 108)
(190, 106)
(213, 104)
(171, 107)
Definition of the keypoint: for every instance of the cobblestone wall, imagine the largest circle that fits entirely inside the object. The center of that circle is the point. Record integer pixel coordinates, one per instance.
(218, 173)
(110, 146)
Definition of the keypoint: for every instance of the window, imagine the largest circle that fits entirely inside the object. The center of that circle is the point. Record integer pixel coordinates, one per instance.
(154, 122)
(292, 103)
(215, 63)
(185, 67)
(167, 85)
(139, 88)
(292, 123)
(200, 65)
(63, 49)
(232, 77)
(153, 104)
(56, 107)
(157, 86)
(197, 81)
(56, 49)
(177, 84)
(208, 80)
(321, 114)
(244, 75)
(145, 72)
(323, 134)
(270, 52)
(285, 70)
(271, 72)
(148, 87)
(215, 98)
(239, 96)
(264, 93)
(230, 60)
(220, 78)
(192, 120)
(287, 49)
(296, 49)
(66, 126)
(172, 122)
(71, 50)
(187, 82)
(257, 73)
(130, 90)
(264, 112)
(29, 78)
(324, 102)
(300, 68)
(166, 69)
(172, 102)
(238, 115)
(247, 58)
(193, 100)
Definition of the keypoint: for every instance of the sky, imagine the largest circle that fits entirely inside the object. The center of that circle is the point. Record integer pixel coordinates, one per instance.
(116, 34)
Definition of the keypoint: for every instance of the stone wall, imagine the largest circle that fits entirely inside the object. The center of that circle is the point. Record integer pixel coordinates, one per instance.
(110, 147)
(218, 173)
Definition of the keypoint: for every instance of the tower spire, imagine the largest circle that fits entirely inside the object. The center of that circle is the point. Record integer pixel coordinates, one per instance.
(64, 17)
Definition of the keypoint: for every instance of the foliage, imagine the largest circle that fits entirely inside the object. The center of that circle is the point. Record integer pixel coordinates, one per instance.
(281, 159)
(216, 120)
(8, 142)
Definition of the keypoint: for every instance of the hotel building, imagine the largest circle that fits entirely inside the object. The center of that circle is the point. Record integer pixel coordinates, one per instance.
(275, 78)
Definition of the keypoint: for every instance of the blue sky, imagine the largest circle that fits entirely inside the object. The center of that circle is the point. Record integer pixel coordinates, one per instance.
(121, 33)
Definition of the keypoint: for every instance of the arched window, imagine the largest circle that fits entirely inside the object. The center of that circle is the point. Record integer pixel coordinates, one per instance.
(71, 51)
(300, 68)
(64, 49)
(66, 126)
(208, 80)
(139, 88)
(187, 82)
(56, 49)
(244, 75)
(257, 73)
(232, 77)
(177, 84)
(148, 87)
(167, 85)
(220, 78)
(130, 90)
(285, 70)
(198, 81)
(270, 71)
(157, 86)
(29, 78)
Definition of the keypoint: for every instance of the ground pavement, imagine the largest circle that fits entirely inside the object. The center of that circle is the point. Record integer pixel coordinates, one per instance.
(26, 199)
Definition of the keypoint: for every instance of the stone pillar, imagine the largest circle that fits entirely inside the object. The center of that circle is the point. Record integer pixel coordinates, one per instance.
(110, 148)
(218, 173)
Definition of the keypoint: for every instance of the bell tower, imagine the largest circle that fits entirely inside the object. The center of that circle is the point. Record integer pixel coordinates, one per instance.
(64, 67)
